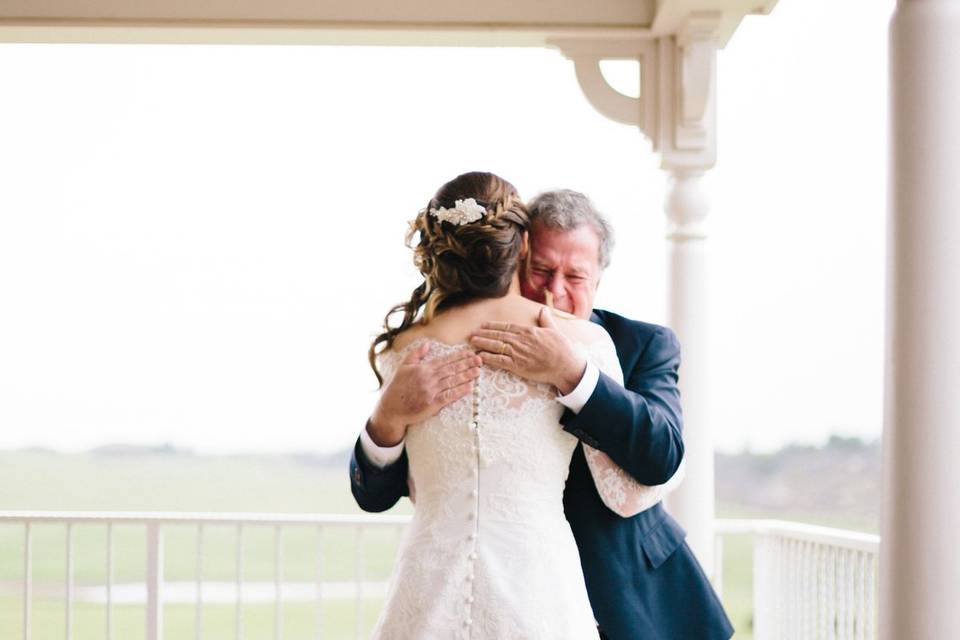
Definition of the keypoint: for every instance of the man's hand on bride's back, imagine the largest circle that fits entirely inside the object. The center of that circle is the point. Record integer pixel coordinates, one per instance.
(419, 389)
(542, 353)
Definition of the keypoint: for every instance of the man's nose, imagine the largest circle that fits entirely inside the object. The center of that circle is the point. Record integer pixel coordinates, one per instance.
(556, 286)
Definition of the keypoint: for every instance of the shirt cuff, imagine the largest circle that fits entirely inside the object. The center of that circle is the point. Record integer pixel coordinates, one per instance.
(380, 456)
(582, 392)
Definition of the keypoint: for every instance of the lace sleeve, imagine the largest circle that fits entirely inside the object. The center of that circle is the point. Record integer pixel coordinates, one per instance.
(619, 490)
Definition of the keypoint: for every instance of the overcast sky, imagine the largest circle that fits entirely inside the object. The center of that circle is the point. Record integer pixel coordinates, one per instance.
(197, 242)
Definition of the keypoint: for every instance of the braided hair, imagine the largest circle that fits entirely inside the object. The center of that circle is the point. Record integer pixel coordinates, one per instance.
(459, 262)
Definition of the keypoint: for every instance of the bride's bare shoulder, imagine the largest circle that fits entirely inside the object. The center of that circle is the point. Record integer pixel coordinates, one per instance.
(443, 328)
(578, 329)
(572, 326)
(406, 337)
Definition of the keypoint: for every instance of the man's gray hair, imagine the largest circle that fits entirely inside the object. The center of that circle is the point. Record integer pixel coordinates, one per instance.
(567, 209)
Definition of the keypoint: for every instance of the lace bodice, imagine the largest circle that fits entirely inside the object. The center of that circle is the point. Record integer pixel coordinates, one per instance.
(509, 425)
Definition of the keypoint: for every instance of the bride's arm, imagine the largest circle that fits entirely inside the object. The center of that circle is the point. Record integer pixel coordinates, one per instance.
(638, 423)
(620, 492)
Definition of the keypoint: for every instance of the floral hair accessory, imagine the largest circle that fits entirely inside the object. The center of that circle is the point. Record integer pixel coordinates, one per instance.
(463, 212)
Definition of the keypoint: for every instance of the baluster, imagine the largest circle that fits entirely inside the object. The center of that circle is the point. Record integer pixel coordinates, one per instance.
(765, 575)
(778, 585)
(831, 593)
(277, 582)
(850, 561)
(812, 587)
(821, 592)
(861, 570)
(319, 582)
(871, 596)
(805, 589)
(27, 579)
(786, 591)
(760, 586)
(198, 602)
(801, 581)
(358, 572)
(69, 585)
(843, 604)
(806, 612)
(791, 587)
(154, 581)
(109, 581)
(802, 587)
(238, 613)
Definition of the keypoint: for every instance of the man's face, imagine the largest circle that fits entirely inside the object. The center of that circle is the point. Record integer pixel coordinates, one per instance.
(565, 263)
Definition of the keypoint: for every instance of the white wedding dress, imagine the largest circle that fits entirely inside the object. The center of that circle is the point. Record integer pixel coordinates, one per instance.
(489, 554)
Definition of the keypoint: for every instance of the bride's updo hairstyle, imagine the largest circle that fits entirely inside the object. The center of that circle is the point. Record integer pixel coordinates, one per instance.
(464, 252)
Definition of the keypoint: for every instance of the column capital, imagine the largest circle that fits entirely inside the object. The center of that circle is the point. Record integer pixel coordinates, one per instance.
(687, 97)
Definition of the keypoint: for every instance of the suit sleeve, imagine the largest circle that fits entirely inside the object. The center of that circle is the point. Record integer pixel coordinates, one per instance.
(640, 425)
(377, 489)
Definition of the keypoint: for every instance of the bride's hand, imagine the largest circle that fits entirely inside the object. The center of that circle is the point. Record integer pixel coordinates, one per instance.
(542, 353)
(419, 390)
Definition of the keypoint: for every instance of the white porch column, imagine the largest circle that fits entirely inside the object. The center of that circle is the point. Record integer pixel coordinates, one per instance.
(692, 504)
(920, 557)
(687, 142)
(676, 110)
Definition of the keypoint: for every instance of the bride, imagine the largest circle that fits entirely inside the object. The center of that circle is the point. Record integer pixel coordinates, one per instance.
(489, 553)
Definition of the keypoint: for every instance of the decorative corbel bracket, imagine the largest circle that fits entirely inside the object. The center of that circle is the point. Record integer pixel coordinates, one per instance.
(676, 107)
(586, 56)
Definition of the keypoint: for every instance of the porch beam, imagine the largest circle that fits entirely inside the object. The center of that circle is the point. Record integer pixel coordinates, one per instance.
(346, 22)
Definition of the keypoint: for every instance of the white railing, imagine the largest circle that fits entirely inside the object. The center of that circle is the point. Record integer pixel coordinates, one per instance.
(154, 524)
(809, 582)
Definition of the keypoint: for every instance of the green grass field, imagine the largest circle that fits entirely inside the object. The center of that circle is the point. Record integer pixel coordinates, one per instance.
(46, 481)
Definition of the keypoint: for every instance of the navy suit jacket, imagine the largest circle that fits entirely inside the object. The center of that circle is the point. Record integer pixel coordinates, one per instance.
(642, 579)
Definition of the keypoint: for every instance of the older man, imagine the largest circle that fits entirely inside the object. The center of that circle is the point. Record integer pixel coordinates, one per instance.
(642, 578)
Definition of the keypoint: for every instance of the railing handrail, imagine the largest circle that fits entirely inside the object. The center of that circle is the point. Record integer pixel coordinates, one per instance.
(723, 526)
(186, 517)
(855, 540)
